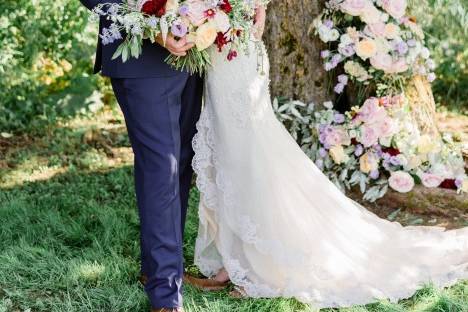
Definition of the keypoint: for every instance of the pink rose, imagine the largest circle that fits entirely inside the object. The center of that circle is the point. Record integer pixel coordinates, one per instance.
(431, 180)
(401, 181)
(396, 8)
(355, 7)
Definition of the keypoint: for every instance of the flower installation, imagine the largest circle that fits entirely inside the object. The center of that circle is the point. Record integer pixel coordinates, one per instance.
(227, 24)
(375, 42)
(376, 146)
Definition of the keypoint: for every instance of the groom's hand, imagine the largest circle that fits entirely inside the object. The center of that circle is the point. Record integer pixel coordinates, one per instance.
(176, 47)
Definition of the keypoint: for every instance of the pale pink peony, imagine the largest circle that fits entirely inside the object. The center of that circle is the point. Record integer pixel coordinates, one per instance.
(401, 181)
(398, 66)
(382, 61)
(387, 127)
(369, 135)
(355, 7)
(377, 29)
(371, 15)
(196, 11)
(431, 180)
(396, 8)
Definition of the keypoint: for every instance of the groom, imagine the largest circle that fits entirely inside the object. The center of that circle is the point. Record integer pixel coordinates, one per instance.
(161, 107)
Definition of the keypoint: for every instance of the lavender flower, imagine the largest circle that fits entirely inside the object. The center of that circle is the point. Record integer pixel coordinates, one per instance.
(347, 50)
(343, 79)
(328, 23)
(324, 53)
(184, 10)
(431, 77)
(328, 66)
(359, 150)
(411, 43)
(339, 88)
(323, 152)
(339, 118)
(153, 21)
(374, 174)
(179, 29)
(336, 58)
(394, 161)
(319, 163)
(401, 47)
(458, 183)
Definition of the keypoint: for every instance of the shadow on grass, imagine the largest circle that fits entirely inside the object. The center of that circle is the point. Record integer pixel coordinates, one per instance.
(70, 243)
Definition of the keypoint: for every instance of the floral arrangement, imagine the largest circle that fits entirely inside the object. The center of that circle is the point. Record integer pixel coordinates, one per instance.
(375, 146)
(375, 41)
(225, 23)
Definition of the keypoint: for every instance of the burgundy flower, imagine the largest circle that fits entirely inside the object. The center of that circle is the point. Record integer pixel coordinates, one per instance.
(154, 7)
(210, 13)
(231, 55)
(391, 151)
(221, 41)
(226, 6)
(354, 141)
(449, 184)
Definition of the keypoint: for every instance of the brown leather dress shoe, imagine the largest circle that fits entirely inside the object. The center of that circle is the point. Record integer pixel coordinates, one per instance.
(168, 310)
(143, 279)
(205, 284)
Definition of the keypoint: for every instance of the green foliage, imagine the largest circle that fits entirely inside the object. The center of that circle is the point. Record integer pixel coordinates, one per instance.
(446, 25)
(45, 62)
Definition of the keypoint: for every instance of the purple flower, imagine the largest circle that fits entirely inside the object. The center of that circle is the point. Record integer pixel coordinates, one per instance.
(431, 77)
(184, 10)
(324, 53)
(386, 156)
(323, 152)
(458, 183)
(374, 174)
(339, 118)
(401, 47)
(359, 150)
(328, 66)
(411, 42)
(395, 161)
(179, 29)
(343, 79)
(328, 23)
(336, 58)
(347, 50)
(319, 163)
(339, 88)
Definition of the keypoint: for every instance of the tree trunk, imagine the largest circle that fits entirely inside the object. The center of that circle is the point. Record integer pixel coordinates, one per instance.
(296, 69)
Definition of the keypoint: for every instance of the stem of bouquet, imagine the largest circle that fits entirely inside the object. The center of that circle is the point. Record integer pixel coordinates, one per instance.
(194, 62)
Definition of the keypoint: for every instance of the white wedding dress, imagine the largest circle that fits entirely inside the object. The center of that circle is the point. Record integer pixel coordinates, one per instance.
(277, 224)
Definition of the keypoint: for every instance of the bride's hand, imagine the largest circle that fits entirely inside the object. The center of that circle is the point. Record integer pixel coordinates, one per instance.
(260, 20)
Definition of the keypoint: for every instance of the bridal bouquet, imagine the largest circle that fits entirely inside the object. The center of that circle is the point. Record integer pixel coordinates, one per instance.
(374, 41)
(224, 23)
(376, 146)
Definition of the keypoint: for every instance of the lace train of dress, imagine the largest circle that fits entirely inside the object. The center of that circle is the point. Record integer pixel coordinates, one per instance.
(280, 228)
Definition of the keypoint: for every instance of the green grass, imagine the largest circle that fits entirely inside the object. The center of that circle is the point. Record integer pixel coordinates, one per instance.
(69, 236)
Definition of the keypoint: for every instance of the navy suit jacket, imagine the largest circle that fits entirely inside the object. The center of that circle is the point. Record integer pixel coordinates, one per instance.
(149, 64)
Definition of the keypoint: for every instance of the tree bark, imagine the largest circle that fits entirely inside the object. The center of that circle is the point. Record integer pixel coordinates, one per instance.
(296, 69)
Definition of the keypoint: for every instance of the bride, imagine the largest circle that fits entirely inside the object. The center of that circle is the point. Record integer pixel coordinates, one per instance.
(275, 226)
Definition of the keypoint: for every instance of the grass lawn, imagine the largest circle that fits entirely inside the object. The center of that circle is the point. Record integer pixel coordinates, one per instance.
(69, 230)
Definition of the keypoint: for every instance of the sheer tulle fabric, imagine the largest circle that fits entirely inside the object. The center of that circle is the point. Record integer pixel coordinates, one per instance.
(280, 227)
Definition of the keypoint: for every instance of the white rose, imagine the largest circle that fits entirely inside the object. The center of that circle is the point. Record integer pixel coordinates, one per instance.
(222, 21)
(338, 154)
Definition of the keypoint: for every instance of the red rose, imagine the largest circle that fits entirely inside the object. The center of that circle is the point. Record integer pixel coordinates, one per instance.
(154, 7)
(449, 184)
(391, 151)
(226, 7)
(221, 41)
